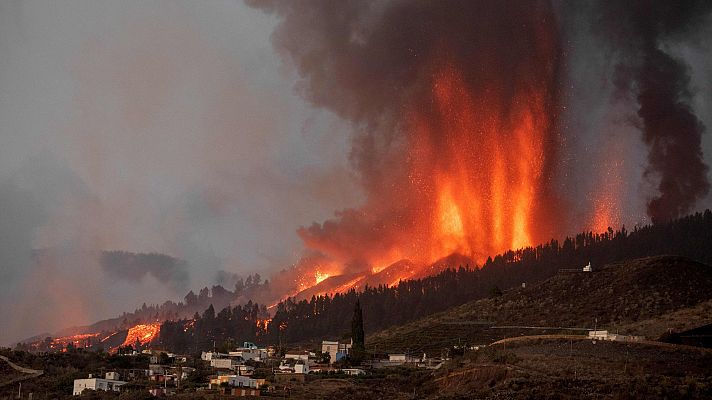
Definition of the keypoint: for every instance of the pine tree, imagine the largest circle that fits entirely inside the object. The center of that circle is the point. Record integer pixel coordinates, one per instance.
(359, 347)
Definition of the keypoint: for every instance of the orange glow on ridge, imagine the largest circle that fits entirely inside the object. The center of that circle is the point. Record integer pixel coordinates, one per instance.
(144, 333)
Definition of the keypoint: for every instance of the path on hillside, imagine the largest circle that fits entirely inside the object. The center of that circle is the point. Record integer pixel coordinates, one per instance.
(31, 373)
(580, 337)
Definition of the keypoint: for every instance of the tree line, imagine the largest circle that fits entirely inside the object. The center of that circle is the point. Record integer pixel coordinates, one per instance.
(329, 316)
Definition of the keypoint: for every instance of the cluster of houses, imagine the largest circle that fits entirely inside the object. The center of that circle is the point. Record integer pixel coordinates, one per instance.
(166, 378)
(233, 373)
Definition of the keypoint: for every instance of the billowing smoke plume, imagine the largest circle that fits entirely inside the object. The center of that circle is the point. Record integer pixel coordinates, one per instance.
(638, 32)
(454, 105)
(134, 267)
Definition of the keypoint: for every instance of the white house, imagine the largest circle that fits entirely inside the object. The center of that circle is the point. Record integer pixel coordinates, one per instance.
(114, 376)
(209, 355)
(588, 267)
(605, 335)
(394, 359)
(249, 353)
(92, 383)
(243, 381)
(598, 335)
(236, 381)
(335, 350)
(301, 367)
(224, 363)
(298, 355)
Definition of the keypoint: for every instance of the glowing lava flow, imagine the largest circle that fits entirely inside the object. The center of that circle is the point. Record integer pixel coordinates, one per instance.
(80, 340)
(143, 333)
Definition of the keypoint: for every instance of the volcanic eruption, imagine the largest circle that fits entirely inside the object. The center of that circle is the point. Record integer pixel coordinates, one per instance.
(455, 108)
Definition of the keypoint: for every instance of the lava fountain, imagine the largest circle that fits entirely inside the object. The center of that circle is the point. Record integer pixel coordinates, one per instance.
(481, 169)
(455, 107)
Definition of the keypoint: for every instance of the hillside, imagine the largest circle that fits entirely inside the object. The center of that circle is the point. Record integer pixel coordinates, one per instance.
(618, 297)
(576, 369)
(450, 282)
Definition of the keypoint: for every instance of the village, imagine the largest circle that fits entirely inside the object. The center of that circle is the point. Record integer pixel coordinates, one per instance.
(248, 370)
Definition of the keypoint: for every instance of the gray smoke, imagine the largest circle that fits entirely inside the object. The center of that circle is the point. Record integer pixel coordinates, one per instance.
(659, 82)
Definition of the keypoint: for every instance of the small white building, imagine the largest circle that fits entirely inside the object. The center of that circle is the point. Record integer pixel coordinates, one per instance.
(249, 353)
(335, 349)
(588, 267)
(92, 383)
(224, 363)
(298, 355)
(598, 335)
(614, 337)
(394, 359)
(114, 376)
(236, 381)
(243, 381)
(209, 355)
(301, 367)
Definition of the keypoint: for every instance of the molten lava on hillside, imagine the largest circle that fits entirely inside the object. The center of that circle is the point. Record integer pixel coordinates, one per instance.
(143, 333)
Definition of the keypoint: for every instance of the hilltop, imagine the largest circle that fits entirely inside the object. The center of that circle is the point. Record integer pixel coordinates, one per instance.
(628, 297)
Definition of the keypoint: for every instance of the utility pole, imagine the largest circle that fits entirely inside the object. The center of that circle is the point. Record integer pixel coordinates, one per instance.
(180, 374)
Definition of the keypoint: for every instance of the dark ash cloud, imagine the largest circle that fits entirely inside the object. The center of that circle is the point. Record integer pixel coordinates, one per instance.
(638, 33)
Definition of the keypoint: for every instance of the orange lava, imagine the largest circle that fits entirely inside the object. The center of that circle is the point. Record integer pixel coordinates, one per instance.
(263, 324)
(144, 333)
(320, 276)
(484, 173)
(80, 340)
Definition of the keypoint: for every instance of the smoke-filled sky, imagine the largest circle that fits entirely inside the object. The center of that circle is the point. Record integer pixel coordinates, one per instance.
(213, 131)
(163, 126)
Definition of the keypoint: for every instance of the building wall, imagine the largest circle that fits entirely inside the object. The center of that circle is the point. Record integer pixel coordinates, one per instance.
(95, 384)
(242, 381)
(331, 348)
(221, 363)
